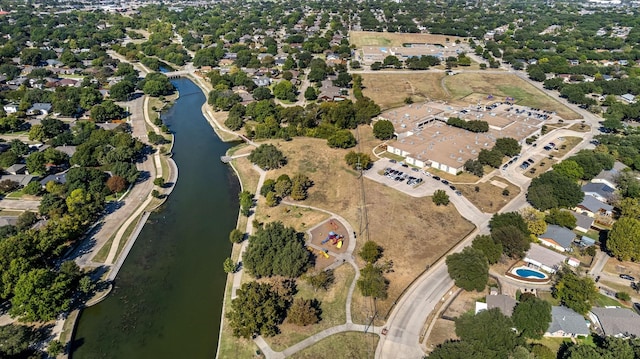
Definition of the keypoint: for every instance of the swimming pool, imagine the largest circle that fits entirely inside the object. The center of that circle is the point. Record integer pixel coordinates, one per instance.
(529, 273)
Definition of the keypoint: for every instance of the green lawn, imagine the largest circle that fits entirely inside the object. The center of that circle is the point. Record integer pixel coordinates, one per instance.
(603, 301)
(16, 194)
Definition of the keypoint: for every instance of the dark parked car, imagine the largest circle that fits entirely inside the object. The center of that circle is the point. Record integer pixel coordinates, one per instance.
(627, 277)
(392, 161)
(453, 188)
(444, 181)
(436, 178)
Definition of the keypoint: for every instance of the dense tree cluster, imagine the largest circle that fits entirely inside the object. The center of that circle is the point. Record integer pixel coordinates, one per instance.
(275, 190)
(577, 293)
(276, 250)
(469, 269)
(267, 157)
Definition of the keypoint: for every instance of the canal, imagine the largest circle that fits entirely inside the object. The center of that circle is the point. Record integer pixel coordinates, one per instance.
(167, 299)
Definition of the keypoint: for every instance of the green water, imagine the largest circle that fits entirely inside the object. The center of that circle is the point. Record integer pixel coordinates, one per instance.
(168, 296)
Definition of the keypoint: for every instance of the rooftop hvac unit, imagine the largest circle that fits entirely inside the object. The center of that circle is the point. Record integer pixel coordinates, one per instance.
(486, 144)
(459, 159)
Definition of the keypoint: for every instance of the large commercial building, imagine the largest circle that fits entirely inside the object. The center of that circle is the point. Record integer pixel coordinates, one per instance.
(425, 140)
(371, 54)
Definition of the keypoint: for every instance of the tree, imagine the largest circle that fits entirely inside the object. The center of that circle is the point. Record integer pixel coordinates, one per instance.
(535, 220)
(383, 129)
(469, 269)
(310, 94)
(474, 167)
(370, 252)
(490, 157)
(561, 218)
(341, 139)
(236, 236)
(267, 157)
(320, 280)
(489, 332)
(372, 282)
(15, 340)
(570, 169)
(440, 197)
(284, 90)
(33, 189)
(157, 84)
(532, 317)
(575, 292)
(456, 350)
(116, 184)
(55, 347)
(508, 219)
(513, 240)
(508, 146)
(624, 239)
(276, 250)
(491, 249)
(304, 312)
(39, 295)
(257, 309)
(358, 160)
(246, 202)
(262, 93)
(8, 185)
(552, 189)
(229, 265)
(121, 90)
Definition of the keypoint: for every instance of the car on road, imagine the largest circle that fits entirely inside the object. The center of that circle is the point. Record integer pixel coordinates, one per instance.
(627, 277)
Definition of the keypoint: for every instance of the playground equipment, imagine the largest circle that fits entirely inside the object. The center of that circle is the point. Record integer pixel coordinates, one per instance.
(324, 252)
(335, 238)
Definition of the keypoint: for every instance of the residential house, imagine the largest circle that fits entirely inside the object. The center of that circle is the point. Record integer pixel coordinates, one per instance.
(17, 169)
(591, 207)
(608, 177)
(556, 237)
(8, 221)
(599, 191)
(616, 322)
(57, 178)
(262, 81)
(565, 323)
(574, 62)
(10, 108)
(583, 222)
(587, 242)
(67, 82)
(330, 92)
(40, 108)
(629, 98)
(623, 62)
(69, 150)
(22, 180)
(544, 258)
(504, 303)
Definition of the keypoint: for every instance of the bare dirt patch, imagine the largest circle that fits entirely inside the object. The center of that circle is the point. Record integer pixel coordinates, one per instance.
(489, 198)
(616, 267)
(442, 331)
(371, 38)
(390, 89)
(503, 85)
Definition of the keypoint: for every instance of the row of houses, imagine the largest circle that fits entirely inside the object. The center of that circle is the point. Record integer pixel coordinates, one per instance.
(566, 323)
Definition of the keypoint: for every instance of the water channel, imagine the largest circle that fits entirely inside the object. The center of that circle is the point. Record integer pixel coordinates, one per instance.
(168, 295)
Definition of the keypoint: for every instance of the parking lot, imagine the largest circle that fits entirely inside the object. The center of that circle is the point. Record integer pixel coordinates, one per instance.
(408, 179)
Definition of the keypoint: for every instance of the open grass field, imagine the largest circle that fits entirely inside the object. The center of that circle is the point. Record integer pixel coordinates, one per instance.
(389, 90)
(332, 303)
(371, 38)
(341, 346)
(489, 197)
(301, 219)
(442, 331)
(463, 85)
(580, 127)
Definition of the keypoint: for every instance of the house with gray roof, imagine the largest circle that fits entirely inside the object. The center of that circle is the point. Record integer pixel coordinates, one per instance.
(40, 108)
(502, 302)
(544, 258)
(629, 98)
(599, 191)
(608, 177)
(565, 323)
(583, 222)
(616, 322)
(58, 178)
(556, 237)
(22, 180)
(591, 207)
